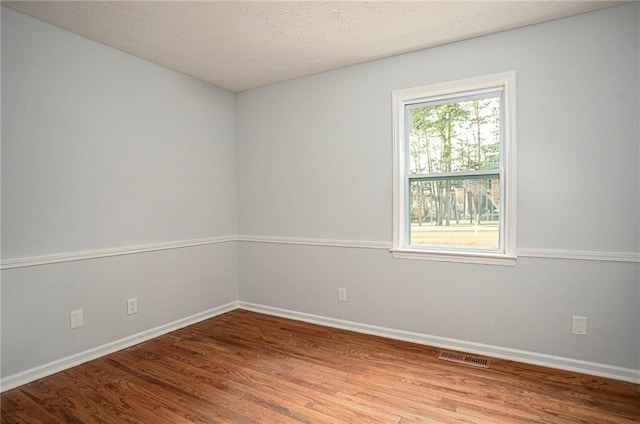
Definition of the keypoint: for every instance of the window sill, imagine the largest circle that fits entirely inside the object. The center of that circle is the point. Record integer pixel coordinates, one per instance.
(460, 257)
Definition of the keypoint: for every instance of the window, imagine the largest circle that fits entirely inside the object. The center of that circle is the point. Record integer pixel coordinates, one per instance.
(454, 174)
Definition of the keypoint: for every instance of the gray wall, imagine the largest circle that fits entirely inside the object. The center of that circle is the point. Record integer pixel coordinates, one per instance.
(103, 150)
(314, 162)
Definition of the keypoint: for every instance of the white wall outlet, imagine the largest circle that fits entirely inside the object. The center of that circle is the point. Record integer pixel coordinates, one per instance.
(76, 318)
(342, 295)
(132, 306)
(579, 325)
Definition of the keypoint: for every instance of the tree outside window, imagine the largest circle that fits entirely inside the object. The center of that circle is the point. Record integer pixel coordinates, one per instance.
(451, 203)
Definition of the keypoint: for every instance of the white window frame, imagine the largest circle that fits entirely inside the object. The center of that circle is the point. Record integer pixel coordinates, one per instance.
(401, 220)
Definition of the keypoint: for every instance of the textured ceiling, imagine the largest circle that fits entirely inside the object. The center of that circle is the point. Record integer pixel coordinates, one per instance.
(239, 45)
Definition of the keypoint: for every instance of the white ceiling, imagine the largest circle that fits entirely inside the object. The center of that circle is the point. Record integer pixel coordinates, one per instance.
(240, 45)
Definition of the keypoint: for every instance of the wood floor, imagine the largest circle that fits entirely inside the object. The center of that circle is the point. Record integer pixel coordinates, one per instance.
(243, 367)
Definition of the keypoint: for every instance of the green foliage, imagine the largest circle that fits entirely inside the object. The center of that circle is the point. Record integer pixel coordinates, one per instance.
(450, 138)
(456, 136)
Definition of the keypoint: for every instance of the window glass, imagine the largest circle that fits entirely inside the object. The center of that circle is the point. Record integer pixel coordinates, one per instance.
(450, 205)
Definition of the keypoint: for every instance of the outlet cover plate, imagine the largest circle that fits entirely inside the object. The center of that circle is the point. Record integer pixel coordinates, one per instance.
(76, 318)
(342, 295)
(579, 325)
(132, 306)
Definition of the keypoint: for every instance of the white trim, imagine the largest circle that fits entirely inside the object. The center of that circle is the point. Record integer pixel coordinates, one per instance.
(558, 362)
(45, 370)
(356, 244)
(580, 255)
(530, 253)
(462, 257)
(505, 81)
(318, 242)
(509, 157)
(94, 254)
(552, 361)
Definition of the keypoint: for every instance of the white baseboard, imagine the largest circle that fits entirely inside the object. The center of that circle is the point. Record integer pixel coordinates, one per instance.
(45, 370)
(591, 368)
(557, 362)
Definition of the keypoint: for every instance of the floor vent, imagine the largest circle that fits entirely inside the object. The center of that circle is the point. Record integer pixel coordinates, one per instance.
(460, 358)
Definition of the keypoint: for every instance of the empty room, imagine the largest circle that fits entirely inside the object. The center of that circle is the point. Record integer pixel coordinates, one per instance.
(320, 212)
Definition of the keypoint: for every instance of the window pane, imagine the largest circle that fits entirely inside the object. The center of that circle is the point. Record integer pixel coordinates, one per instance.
(456, 212)
(454, 137)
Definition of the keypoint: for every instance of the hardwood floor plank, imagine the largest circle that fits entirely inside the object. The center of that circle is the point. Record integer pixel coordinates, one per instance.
(235, 406)
(22, 409)
(244, 367)
(115, 403)
(260, 383)
(46, 395)
(156, 396)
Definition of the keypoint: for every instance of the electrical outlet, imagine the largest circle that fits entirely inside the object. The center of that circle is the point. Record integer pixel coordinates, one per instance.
(76, 318)
(132, 306)
(579, 325)
(342, 295)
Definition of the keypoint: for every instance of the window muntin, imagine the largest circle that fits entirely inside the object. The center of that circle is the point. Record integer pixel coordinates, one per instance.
(453, 181)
